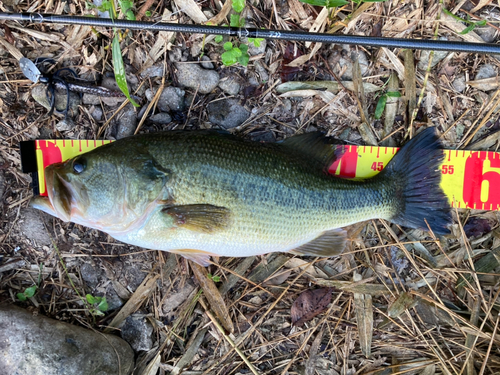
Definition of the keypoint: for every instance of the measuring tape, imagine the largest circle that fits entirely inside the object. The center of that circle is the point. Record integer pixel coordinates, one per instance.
(470, 178)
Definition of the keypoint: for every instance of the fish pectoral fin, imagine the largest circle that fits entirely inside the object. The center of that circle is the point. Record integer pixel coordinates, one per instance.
(198, 256)
(199, 217)
(328, 244)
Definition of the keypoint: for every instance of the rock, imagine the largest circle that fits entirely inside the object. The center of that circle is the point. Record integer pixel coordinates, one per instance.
(485, 71)
(261, 71)
(39, 93)
(459, 83)
(161, 118)
(171, 99)
(137, 330)
(206, 62)
(195, 77)
(65, 124)
(338, 62)
(227, 113)
(437, 57)
(254, 50)
(36, 345)
(487, 33)
(126, 122)
(112, 298)
(90, 274)
(31, 225)
(156, 70)
(96, 113)
(230, 85)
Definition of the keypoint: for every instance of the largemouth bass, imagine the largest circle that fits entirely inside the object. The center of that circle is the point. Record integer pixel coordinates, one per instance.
(204, 193)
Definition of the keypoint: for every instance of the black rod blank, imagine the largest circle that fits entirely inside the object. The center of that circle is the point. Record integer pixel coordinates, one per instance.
(298, 36)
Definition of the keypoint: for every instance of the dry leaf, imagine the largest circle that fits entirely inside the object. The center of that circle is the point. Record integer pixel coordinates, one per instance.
(192, 10)
(309, 304)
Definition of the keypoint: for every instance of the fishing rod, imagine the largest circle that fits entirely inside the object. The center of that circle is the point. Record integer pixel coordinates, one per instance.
(298, 36)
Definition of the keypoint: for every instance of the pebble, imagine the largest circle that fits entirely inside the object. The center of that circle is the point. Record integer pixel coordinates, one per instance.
(36, 345)
(195, 77)
(31, 225)
(156, 70)
(487, 33)
(261, 71)
(96, 113)
(485, 71)
(126, 122)
(206, 62)
(66, 124)
(459, 83)
(39, 93)
(436, 58)
(254, 50)
(171, 99)
(227, 113)
(161, 118)
(90, 274)
(137, 331)
(230, 85)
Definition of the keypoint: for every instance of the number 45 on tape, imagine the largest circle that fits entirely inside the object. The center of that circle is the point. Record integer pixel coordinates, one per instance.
(471, 179)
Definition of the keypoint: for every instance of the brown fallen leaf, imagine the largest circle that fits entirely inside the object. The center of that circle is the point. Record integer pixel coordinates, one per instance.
(309, 304)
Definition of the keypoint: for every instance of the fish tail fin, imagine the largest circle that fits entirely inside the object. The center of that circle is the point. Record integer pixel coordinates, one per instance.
(415, 171)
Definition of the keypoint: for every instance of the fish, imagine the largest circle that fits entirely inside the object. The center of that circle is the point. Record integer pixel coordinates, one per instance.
(209, 193)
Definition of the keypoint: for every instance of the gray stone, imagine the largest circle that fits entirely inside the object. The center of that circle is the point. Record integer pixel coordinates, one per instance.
(137, 330)
(485, 71)
(230, 85)
(126, 122)
(90, 99)
(487, 33)
(254, 50)
(65, 124)
(227, 113)
(206, 62)
(197, 78)
(90, 274)
(156, 70)
(459, 83)
(437, 57)
(171, 99)
(36, 345)
(31, 225)
(261, 71)
(112, 298)
(96, 113)
(39, 93)
(161, 118)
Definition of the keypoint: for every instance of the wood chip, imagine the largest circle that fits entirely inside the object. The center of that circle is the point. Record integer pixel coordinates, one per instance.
(364, 318)
(213, 296)
(192, 10)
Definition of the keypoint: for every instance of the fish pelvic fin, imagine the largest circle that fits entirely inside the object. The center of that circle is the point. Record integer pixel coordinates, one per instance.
(204, 218)
(327, 244)
(415, 172)
(198, 256)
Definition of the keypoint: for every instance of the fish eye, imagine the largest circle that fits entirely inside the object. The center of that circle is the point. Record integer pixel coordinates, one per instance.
(79, 165)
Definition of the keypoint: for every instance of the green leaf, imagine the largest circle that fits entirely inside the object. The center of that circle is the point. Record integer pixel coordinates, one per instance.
(393, 94)
(243, 59)
(30, 292)
(129, 14)
(21, 296)
(228, 46)
(90, 299)
(236, 52)
(228, 58)
(336, 3)
(238, 5)
(148, 13)
(103, 305)
(119, 69)
(255, 41)
(380, 106)
(468, 29)
(236, 21)
(218, 38)
(446, 11)
(243, 48)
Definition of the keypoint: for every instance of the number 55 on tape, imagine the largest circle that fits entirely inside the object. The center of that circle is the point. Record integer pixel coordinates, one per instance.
(471, 179)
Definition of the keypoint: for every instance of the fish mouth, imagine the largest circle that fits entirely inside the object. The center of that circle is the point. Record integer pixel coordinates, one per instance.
(58, 191)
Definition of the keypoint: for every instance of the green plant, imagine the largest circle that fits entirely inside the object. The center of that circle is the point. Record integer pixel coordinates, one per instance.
(382, 101)
(126, 7)
(472, 24)
(99, 305)
(28, 293)
(214, 278)
(235, 54)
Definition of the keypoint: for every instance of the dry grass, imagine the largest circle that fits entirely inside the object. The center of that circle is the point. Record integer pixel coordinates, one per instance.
(403, 302)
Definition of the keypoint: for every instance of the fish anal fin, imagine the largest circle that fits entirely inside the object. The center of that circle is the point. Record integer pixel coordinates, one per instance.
(198, 256)
(204, 218)
(327, 244)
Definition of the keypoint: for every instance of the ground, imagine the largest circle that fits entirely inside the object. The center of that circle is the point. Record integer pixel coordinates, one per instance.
(401, 301)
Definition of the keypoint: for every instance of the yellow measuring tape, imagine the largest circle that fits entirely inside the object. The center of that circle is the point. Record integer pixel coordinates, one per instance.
(470, 178)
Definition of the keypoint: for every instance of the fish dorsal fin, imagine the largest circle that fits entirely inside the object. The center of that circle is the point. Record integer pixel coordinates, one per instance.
(322, 151)
(204, 218)
(327, 244)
